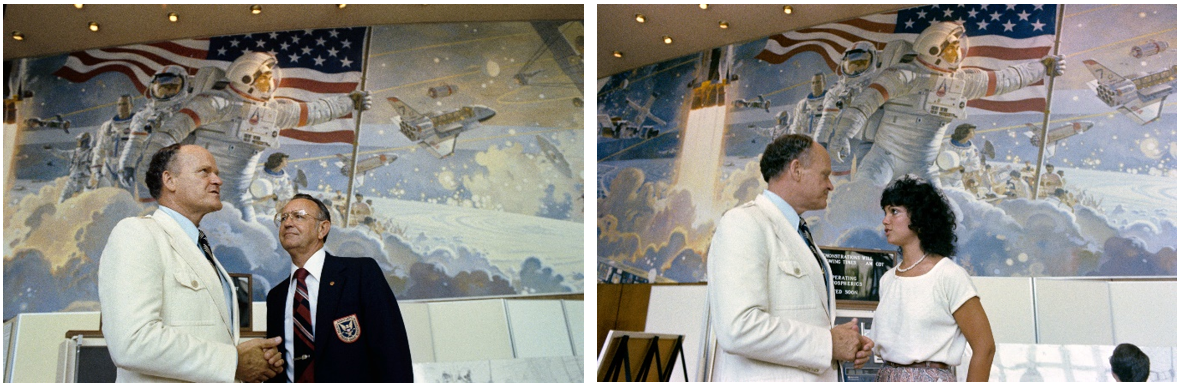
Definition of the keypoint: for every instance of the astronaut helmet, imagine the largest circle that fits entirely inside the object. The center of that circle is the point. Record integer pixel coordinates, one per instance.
(941, 46)
(254, 74)
(858, 59)
(83, 140)
(170, 83)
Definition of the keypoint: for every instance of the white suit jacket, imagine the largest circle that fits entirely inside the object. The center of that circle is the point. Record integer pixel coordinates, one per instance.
(767, 299)
(164, 313)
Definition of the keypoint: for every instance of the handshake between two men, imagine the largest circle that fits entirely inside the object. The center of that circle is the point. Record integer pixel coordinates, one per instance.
(259, 360)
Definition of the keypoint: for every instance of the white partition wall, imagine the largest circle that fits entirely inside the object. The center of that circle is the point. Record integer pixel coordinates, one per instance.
(1010, 308)
(470, 330)
(1144, 313)
(419, 331)
(679, 310)
(36, 340)
(573, 311)
(538, 328)
(1073, 312)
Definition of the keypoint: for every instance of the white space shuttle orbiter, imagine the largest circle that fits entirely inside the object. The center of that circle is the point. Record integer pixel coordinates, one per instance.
(1139, 97)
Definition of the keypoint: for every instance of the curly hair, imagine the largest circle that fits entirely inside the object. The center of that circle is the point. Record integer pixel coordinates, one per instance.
(930, 215)
(784, 150)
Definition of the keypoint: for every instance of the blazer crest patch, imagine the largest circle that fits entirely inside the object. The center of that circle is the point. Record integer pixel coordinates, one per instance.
(348, 329)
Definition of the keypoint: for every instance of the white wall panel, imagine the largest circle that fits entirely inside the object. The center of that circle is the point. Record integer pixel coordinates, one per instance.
(419, 331)
(1073, 312)
(538, 329)
(1009, 306)
(36, 343)
(679, 309)
(1144, 313)
(470, 330)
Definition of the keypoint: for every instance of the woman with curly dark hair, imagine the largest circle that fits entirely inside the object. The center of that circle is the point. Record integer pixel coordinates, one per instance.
(929, 309)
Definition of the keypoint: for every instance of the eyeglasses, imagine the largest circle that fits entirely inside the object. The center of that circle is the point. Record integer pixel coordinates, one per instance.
(298, 215)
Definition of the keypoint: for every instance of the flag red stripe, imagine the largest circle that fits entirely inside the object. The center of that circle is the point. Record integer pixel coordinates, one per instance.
(772, 58)
(318, 86)
(342, 136)
(1027, 105)
(1008, 53)
(76, 77)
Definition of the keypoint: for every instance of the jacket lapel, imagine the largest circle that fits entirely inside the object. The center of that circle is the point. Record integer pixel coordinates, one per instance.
(331, 285)
(788, 235)
(193, 257)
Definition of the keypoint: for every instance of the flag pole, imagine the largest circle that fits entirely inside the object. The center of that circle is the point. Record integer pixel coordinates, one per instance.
(349, 197)
(1056, 47)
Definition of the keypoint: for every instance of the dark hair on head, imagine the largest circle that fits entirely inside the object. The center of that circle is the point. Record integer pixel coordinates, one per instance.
(1129, 363)
(783, 150)
(930, 215)
(324, 210)
(274, 160)
(961, 131)
(161, 161)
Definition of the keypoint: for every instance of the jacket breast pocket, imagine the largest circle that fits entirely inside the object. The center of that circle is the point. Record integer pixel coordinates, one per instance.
(187, 302)
(790, 287)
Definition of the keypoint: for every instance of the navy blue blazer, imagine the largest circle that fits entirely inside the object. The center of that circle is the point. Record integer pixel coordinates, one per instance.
(360, 335)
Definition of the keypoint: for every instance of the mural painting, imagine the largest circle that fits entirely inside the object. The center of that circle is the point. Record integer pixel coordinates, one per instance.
(953, 93)
(462, 179)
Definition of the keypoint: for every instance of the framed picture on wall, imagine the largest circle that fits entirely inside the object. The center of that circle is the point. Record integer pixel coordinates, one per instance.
(856, 274)
(242, 283)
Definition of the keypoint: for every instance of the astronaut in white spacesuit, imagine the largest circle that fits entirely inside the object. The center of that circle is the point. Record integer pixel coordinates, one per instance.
(860, 63)
(920, 98)
(79, 157)
(237, 122)
(968, 160)
(809, 110)
(273, 186)
(109, 141)
(169, 89)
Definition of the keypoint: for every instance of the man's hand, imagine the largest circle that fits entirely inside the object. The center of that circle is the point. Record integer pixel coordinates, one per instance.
(258, 360)
(865, 351)
(845, 342)
(361, 99)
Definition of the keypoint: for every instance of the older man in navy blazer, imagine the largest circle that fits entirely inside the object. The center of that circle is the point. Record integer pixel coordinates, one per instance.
(338, 317)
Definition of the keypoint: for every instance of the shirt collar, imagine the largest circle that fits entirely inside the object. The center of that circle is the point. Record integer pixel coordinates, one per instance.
(314, 265)
(186, 225)
(785, 208)
(960, 144)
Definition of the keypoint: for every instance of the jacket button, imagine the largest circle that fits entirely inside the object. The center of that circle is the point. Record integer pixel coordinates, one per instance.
(194, 284)
(797, 271)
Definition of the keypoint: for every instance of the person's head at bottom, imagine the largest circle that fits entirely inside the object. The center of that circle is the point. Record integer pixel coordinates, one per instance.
(1128, 363)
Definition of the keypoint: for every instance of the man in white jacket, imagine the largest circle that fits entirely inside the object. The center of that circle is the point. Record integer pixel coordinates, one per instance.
(769, 290)
(169, 310)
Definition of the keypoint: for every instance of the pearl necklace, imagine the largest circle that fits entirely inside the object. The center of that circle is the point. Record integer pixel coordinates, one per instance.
(898, 269)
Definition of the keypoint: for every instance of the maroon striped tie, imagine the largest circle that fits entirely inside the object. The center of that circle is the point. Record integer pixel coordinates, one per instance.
(302, 329)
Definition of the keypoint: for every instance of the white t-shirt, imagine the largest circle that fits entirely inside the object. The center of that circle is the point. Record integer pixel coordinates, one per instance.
(915, 319)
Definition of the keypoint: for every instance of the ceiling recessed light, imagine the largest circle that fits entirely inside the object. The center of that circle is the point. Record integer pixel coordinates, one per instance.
(93, 26)
(340, 6)
(787, 9)
(723, 24)
(173, 17)
(667, 40)
(18, 36)
(256, 9)
(618, 54)
(702, 6)
(78, 6)
(639, 18)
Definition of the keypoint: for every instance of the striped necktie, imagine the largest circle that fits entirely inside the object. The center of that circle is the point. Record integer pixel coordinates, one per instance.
(302, 329)
(805, 232)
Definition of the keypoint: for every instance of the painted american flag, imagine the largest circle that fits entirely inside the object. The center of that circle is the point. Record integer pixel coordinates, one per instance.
(312, 63)
(999, 36)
